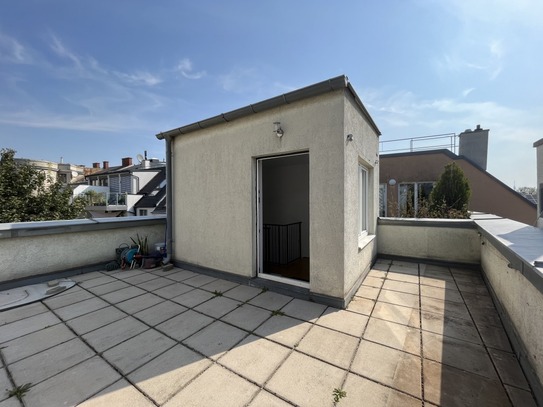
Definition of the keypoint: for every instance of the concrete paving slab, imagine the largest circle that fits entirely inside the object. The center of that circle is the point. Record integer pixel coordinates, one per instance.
(368, 292)
(215, 339)
(397, 313)
(22, 312)
(247, 317)
(395, 297)
(388, 366)
(184, 325)
(43, 365)
(72, 386)
(495, 337)
(472, 288)
(136, 304)
(199, 280)
(304, 310)
(10, 402)
(73, 295)
(401, 286)
(215, 388)
(179, 274)
(173, 290)
(87, 276)
(447, 308)
(108, 288)
(160, 312)
(363, 392)
(255, 358)
(361, 305)
(454, 327)
(140, 278)
(120, 394)
(404, 267)
(110, 335)
(381, 266)
(5, 384)
(448, 386)
(94, 320)
(460, 354)
(331, 346)
(438, 282)
(394, 335)
(155, 284)
(38, 341)
(124, 274)
(138, 350)
(437, 274)
(270, 300)
(479, 301)
(165, 375)
(519, 397)
(28, 325)
(97, 281)
(266, 399)
(509, 368)
(285, 330)
(123, 294)
(347, 322)
(373, 282)
(81, 308)
(219, 285)
(193, 298)
(377, 273)
(406, 278)
(243, 293)
(306, 381)
(444, 294)
(217, 306)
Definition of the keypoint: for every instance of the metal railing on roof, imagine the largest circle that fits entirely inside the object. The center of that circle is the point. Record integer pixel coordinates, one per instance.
(447, 141)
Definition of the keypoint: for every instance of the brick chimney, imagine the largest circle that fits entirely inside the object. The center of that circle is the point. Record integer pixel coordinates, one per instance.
(106, 165)
(127, 161)
(95, 165)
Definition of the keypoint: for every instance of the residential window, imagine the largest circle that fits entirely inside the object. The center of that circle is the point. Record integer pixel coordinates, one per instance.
(382, 200)
(142, 212)
(363, 200)
(412, 196)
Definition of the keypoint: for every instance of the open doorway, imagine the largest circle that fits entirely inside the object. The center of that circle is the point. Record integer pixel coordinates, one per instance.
(283, 218)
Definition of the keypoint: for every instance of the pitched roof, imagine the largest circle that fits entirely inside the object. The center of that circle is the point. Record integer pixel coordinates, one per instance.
(330, 85)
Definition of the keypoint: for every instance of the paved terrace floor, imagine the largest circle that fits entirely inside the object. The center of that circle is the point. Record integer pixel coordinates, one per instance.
(414, 335)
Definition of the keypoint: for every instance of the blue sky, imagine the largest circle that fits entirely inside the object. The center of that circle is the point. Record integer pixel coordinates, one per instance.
(94, 81)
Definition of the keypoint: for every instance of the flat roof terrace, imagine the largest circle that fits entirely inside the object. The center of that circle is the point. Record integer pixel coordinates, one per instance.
(414, 334)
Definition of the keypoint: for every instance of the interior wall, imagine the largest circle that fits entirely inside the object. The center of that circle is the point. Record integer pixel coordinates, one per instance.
(285, 193)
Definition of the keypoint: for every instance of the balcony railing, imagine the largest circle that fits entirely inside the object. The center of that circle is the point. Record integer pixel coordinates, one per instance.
(106, 199)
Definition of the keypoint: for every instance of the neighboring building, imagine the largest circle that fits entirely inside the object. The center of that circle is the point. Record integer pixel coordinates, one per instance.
(68, 174)
(407, 177)
(539, 154)
(283, 190)
(116, 191)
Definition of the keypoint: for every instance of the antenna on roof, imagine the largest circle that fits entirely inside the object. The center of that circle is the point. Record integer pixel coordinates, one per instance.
(139, 157)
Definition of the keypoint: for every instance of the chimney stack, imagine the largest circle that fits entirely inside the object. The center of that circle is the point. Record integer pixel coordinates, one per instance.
(127, 161)
(95, 165)
(106, 165)
(474, 146)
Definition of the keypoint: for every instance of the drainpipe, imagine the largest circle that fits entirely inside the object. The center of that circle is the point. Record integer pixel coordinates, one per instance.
(169, 202)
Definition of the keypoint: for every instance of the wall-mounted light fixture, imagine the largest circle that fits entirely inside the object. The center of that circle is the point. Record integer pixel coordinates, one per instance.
(349, 137)
(392, 182)
(278, 130)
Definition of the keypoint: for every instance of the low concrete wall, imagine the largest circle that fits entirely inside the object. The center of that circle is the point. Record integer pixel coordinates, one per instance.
(448, 240)
(508, 253)
(31, 249)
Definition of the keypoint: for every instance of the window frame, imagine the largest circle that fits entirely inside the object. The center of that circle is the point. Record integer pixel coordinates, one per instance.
(363, 201)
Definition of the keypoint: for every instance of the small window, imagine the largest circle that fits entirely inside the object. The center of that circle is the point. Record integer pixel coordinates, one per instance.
(382, 200)
(363, 200)
(142, 212)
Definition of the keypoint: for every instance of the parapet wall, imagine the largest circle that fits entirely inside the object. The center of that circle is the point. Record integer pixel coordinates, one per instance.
(31, 249)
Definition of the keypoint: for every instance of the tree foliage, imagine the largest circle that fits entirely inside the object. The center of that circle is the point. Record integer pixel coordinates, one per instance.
(27, 194)
(450, 195)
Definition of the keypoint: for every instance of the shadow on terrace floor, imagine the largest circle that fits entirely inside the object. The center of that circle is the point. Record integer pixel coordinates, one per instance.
(413, 332)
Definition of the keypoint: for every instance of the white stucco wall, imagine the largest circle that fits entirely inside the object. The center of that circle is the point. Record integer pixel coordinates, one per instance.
(363, 149)
(33, 248)
(429, 239)
(523, 304)
(214, 187)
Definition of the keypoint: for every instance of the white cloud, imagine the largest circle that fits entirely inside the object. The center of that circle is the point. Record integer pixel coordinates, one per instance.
(13, 51)
(185, 68)
(145, 78)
